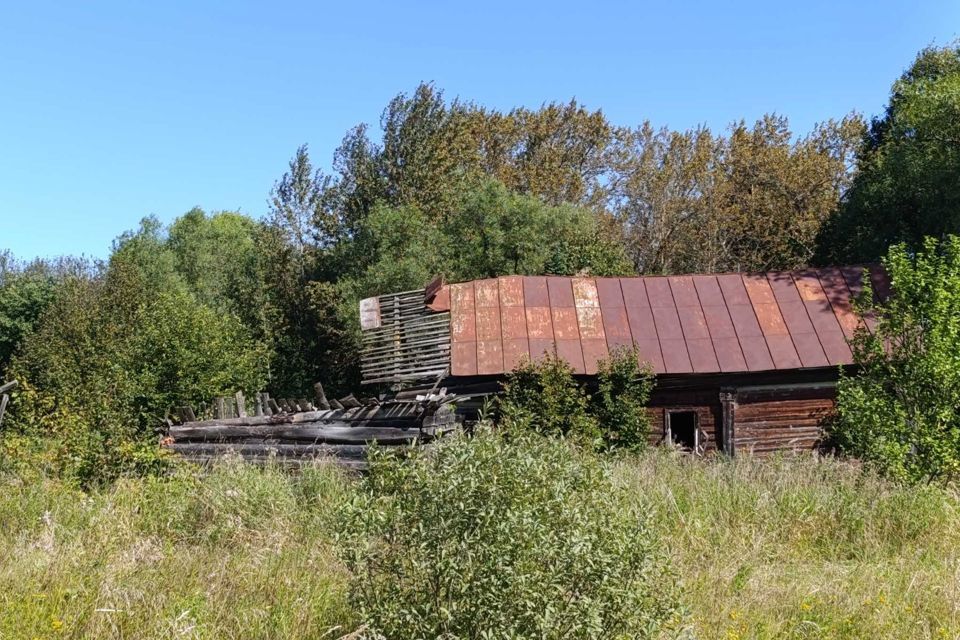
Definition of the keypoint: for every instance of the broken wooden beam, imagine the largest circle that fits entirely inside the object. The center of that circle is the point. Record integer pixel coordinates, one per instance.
(284, 450)
(317, 432)
(320, 396)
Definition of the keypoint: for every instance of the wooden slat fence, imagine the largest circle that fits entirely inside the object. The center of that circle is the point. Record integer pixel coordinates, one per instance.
(411, 342)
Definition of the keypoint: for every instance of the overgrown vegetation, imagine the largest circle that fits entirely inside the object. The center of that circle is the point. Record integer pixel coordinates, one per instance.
(907, 185)
(485, 537)
(899, 413)
(543, 397)
(786, 548)
(527, 533)
(220, 302)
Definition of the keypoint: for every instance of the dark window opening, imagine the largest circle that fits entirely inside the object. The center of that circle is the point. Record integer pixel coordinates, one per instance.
(682, 427)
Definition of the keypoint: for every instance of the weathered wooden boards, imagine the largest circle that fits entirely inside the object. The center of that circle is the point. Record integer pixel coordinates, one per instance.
(4, 398)
(342, 434)
(226, 407)
(409, 341)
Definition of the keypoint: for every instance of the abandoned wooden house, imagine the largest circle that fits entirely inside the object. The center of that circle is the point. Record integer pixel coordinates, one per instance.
(744, 363)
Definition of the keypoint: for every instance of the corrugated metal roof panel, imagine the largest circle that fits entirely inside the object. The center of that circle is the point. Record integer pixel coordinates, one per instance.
(680, 324)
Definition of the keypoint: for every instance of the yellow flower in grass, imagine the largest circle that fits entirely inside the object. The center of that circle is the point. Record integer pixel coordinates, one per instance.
(806, 606)
(56, 624)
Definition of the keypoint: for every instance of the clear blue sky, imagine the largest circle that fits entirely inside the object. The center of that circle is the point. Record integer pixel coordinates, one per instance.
(111, 111)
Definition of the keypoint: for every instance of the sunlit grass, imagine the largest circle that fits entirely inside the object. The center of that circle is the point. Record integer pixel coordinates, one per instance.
(788, 548)
(239, 553)
(804, 548)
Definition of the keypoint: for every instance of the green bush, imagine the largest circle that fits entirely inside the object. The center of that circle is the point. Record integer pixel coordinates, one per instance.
(111, 355)
(899, 412)
(620, 403)
(544, 397)
(483, 538)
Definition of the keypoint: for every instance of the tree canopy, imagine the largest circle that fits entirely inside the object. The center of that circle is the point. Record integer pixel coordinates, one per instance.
(908, 181)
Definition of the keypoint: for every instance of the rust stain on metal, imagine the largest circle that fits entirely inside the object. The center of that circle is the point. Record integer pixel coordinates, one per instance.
(591, 323)
(585, 292)
(511, 291)
(487, 293)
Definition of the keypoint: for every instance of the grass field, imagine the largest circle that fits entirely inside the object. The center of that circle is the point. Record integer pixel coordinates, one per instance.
(786, 548)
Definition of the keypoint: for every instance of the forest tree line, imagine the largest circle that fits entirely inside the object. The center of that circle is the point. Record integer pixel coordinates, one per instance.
(219, 302)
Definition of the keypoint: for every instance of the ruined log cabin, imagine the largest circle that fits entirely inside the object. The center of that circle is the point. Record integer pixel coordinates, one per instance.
(744, 363)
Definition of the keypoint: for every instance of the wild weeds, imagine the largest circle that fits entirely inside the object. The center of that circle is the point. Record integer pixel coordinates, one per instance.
(791, 547)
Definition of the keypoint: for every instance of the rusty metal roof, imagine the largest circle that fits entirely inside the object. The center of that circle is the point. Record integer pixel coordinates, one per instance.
(728, 323)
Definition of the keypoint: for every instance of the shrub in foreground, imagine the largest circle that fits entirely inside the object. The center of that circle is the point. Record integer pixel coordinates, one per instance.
(480, 538)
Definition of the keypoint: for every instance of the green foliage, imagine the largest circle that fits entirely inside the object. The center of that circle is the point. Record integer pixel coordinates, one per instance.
(26, 290)
(23, 298)
(620, 402)
(678, 201)
(480, 538)
(900, 412)
(218, 258)
(908, 182)
(751, 199)
(544, 397)
(111, 355)
(492, 232)
(496, 232)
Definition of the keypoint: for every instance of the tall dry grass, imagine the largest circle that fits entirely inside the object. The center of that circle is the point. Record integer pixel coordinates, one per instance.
(785, 548)
(236, 553)
(799, 547)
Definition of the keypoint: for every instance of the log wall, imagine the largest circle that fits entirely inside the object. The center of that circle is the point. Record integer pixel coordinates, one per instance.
(789, 422)
(760, 419)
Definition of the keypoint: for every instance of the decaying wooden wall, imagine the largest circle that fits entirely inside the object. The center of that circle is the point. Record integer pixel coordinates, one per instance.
(403, 340)
(704, 402)
(750, 415)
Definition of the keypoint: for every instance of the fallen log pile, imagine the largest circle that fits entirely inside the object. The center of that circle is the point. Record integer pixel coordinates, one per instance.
(294, 436)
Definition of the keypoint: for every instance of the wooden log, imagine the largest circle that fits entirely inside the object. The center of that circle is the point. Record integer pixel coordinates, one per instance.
(265, 402)
(336, 405)
(385, 413)
(274, 407)
(330, 433)
(220, 408)
(9, 386)
(292, 463)
(285, 405)
(349, 401)
(266, 449)
(258, 405)
(320, 396)
(241, 404)
(180, 413)
(4, 399)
